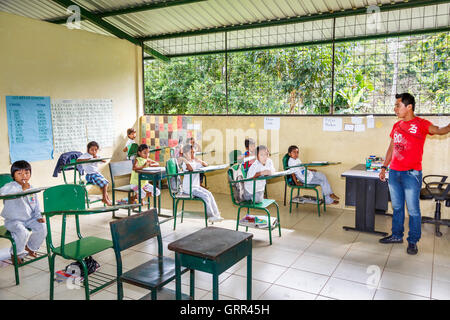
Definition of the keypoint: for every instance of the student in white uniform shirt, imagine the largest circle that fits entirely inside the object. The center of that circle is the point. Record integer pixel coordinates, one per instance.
(190, 163)
(92, 174)
(313, 176)
(23, 213)
(263, 166)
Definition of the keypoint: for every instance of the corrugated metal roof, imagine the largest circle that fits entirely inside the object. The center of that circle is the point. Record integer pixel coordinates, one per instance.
(190, 26)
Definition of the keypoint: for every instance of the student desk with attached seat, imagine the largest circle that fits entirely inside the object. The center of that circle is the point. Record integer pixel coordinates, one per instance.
(212, 250)
(156, 175)
(369, 194)
(4, 233)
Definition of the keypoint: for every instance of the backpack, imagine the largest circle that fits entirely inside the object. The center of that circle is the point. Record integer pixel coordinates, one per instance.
(91, 265)
(236, 173)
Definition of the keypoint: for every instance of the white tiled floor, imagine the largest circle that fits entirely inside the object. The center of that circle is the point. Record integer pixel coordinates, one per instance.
(314, 259)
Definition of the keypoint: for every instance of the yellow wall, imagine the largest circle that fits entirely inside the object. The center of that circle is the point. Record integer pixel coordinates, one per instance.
(350, 148)
(44, 59)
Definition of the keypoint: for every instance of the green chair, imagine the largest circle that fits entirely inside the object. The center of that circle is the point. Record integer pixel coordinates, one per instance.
(176, 194)
(251, 204)
(234, 156)
(5, 234)
(118, 169)
(153, 274)
(80, 180)
(289, 182)
(132, 151)
(64, 200)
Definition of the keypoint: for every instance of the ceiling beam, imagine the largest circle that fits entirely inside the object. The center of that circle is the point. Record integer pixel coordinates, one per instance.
(291, 20)
(109, 27)
(134, 9)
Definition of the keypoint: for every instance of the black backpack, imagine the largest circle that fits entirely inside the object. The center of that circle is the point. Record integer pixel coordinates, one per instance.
(91, 265)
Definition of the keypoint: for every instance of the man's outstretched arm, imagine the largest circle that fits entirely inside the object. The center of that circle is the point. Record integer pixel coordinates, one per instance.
(439, 131)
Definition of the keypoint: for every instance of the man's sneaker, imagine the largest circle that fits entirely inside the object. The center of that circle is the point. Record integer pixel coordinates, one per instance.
(391, 239)
(412, 248)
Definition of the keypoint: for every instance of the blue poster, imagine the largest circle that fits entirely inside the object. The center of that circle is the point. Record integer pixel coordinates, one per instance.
(29, 128)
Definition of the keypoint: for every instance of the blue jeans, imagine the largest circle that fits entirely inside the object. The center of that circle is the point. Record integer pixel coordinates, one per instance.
(405, 186)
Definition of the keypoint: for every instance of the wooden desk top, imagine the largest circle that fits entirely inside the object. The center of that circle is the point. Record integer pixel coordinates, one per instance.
(209, 242)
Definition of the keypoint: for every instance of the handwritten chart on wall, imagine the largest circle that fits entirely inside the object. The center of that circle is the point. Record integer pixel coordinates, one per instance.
(78, 121)
(29, 128)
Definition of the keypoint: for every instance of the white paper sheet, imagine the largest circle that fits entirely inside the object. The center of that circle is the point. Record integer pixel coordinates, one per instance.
(271, 123)
(332, 124)
(370, 122)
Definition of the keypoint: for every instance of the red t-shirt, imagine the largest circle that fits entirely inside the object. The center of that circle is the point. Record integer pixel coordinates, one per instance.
(409, 138)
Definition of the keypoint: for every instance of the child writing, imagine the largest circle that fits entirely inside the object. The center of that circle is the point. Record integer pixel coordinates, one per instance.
(313, 176)
(191, 163)
(142, 161)
(263, 166)
(23, 213)
(131, 134)
(92, 174)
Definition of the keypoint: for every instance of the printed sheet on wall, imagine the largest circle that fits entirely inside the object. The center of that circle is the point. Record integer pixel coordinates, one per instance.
(78, 121)
(167, 131)
(29, 128)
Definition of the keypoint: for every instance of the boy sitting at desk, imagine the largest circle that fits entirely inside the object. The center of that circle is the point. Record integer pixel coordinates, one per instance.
(191, 163)
(263, 166)
(312, 177)
(92, 174)
(23, 213)
(249, 154)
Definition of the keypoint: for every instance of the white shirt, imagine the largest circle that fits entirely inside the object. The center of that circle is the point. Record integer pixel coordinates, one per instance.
(23, 208)
(254, 169)
(129, 143)
(300, 171)
(89, 168)
(195, 177)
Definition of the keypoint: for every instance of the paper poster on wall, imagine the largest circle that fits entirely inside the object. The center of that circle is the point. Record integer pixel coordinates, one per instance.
(29, 128)
(78, 121)
(271, 123)
(332, 124)
(370, 122)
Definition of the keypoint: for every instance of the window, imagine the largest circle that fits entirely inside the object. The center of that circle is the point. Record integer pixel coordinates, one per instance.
(299, 80)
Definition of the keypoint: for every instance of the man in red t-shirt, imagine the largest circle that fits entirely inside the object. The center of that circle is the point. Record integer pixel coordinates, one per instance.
(405, 171)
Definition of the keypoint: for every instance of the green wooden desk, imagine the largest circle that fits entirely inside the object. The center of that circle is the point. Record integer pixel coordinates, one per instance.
(155, 174)
(212, 250)
(74, 164)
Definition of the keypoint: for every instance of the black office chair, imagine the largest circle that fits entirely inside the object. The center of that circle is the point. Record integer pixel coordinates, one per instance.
(438, 191)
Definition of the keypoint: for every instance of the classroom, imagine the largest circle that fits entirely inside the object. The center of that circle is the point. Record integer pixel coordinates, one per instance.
(141, 129)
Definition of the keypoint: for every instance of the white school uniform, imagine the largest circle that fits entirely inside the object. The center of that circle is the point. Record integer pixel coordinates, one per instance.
(20, 215)
(211, 206)
(89, 168)
(254, 169)
(313, 178)
(300, 171)
(129, 143)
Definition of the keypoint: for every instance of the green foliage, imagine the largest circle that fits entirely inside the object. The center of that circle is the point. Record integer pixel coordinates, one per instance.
(299, 80)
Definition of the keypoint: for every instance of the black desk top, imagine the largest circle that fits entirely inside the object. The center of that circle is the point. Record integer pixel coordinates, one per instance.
(209, 242)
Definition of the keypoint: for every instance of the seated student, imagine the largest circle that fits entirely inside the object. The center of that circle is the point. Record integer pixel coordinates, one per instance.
(313, 176)
(23, 213)
(263, 166)
(250, 146)
(197, 148)
(193, 143)
(91, 169)
(191, 163)
(142, 161)
(131, 134)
